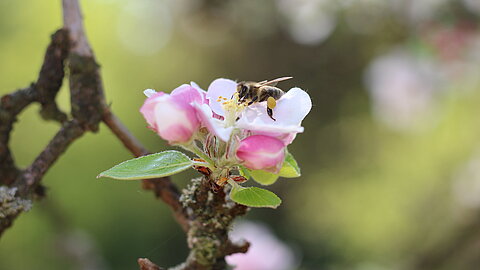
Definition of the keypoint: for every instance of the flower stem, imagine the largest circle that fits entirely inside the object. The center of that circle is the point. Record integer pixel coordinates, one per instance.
(233, 183)
(197, 151)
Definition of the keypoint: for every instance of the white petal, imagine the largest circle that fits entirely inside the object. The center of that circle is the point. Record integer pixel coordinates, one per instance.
(149, 92)
(292, 107)
(220, 88)
(168, 114)
(213, 125)
(223, 133)
(196, 86)
(290, 110)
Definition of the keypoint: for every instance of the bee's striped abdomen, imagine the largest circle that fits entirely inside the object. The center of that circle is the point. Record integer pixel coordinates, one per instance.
(270, 91)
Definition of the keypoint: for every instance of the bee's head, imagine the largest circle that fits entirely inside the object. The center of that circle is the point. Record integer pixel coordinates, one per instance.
(242, 89)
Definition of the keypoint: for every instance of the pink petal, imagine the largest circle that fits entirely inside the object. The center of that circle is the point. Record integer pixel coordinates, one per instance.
(202, 92)
(148, 108)
(176, 120)
(188, 94)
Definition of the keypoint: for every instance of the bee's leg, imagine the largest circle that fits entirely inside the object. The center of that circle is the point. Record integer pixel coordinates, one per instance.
(244, 97)
(270, 113)
(253, 100)
(241, 98)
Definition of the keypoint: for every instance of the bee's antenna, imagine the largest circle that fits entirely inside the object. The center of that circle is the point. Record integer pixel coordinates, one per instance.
(275, 80)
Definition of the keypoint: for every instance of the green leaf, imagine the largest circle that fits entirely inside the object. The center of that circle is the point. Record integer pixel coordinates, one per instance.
(244, 172)
(254, 197)
(263, 177)
(290, 167)
(151, 166)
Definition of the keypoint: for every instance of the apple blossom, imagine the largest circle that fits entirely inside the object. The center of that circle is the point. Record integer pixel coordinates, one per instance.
(258, 142)
(227, 134)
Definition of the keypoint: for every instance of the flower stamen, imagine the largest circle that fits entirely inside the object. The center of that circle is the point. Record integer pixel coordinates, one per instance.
(232, 109)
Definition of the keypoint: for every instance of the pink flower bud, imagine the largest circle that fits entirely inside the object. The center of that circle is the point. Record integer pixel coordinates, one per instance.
(172, 116)
(260, 152)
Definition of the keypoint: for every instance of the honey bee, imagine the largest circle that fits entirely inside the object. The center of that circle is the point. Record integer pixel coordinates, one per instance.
(251, 92)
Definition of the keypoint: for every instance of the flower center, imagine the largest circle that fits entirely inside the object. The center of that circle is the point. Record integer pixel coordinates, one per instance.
(232, 109)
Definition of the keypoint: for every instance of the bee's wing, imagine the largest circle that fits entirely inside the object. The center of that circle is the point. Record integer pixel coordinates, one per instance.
(274, 81)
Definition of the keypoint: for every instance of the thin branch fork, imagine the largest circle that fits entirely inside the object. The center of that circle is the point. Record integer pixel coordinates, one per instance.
(88, 110)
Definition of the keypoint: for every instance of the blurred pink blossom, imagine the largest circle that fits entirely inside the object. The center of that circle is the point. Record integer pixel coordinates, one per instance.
(266, 251)
(402, 89)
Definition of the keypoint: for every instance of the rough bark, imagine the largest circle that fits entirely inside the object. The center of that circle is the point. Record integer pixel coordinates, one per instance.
(211, 216)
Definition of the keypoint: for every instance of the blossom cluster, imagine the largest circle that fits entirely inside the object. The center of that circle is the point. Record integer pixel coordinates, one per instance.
(223, 131)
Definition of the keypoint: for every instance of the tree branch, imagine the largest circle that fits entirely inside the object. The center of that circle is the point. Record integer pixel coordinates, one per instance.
(86, 89)
(10, 106)
(211, 215)
(24, 184)
(43, 91)
(51, 76)
(32, 176)
(73, 21)
(146, 264)
(123, 134)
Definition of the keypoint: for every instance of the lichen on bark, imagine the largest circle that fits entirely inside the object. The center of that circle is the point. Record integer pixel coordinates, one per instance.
(210, 217)
(11, 205)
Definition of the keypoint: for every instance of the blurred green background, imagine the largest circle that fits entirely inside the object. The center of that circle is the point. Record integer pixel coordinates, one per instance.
(390, 155)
